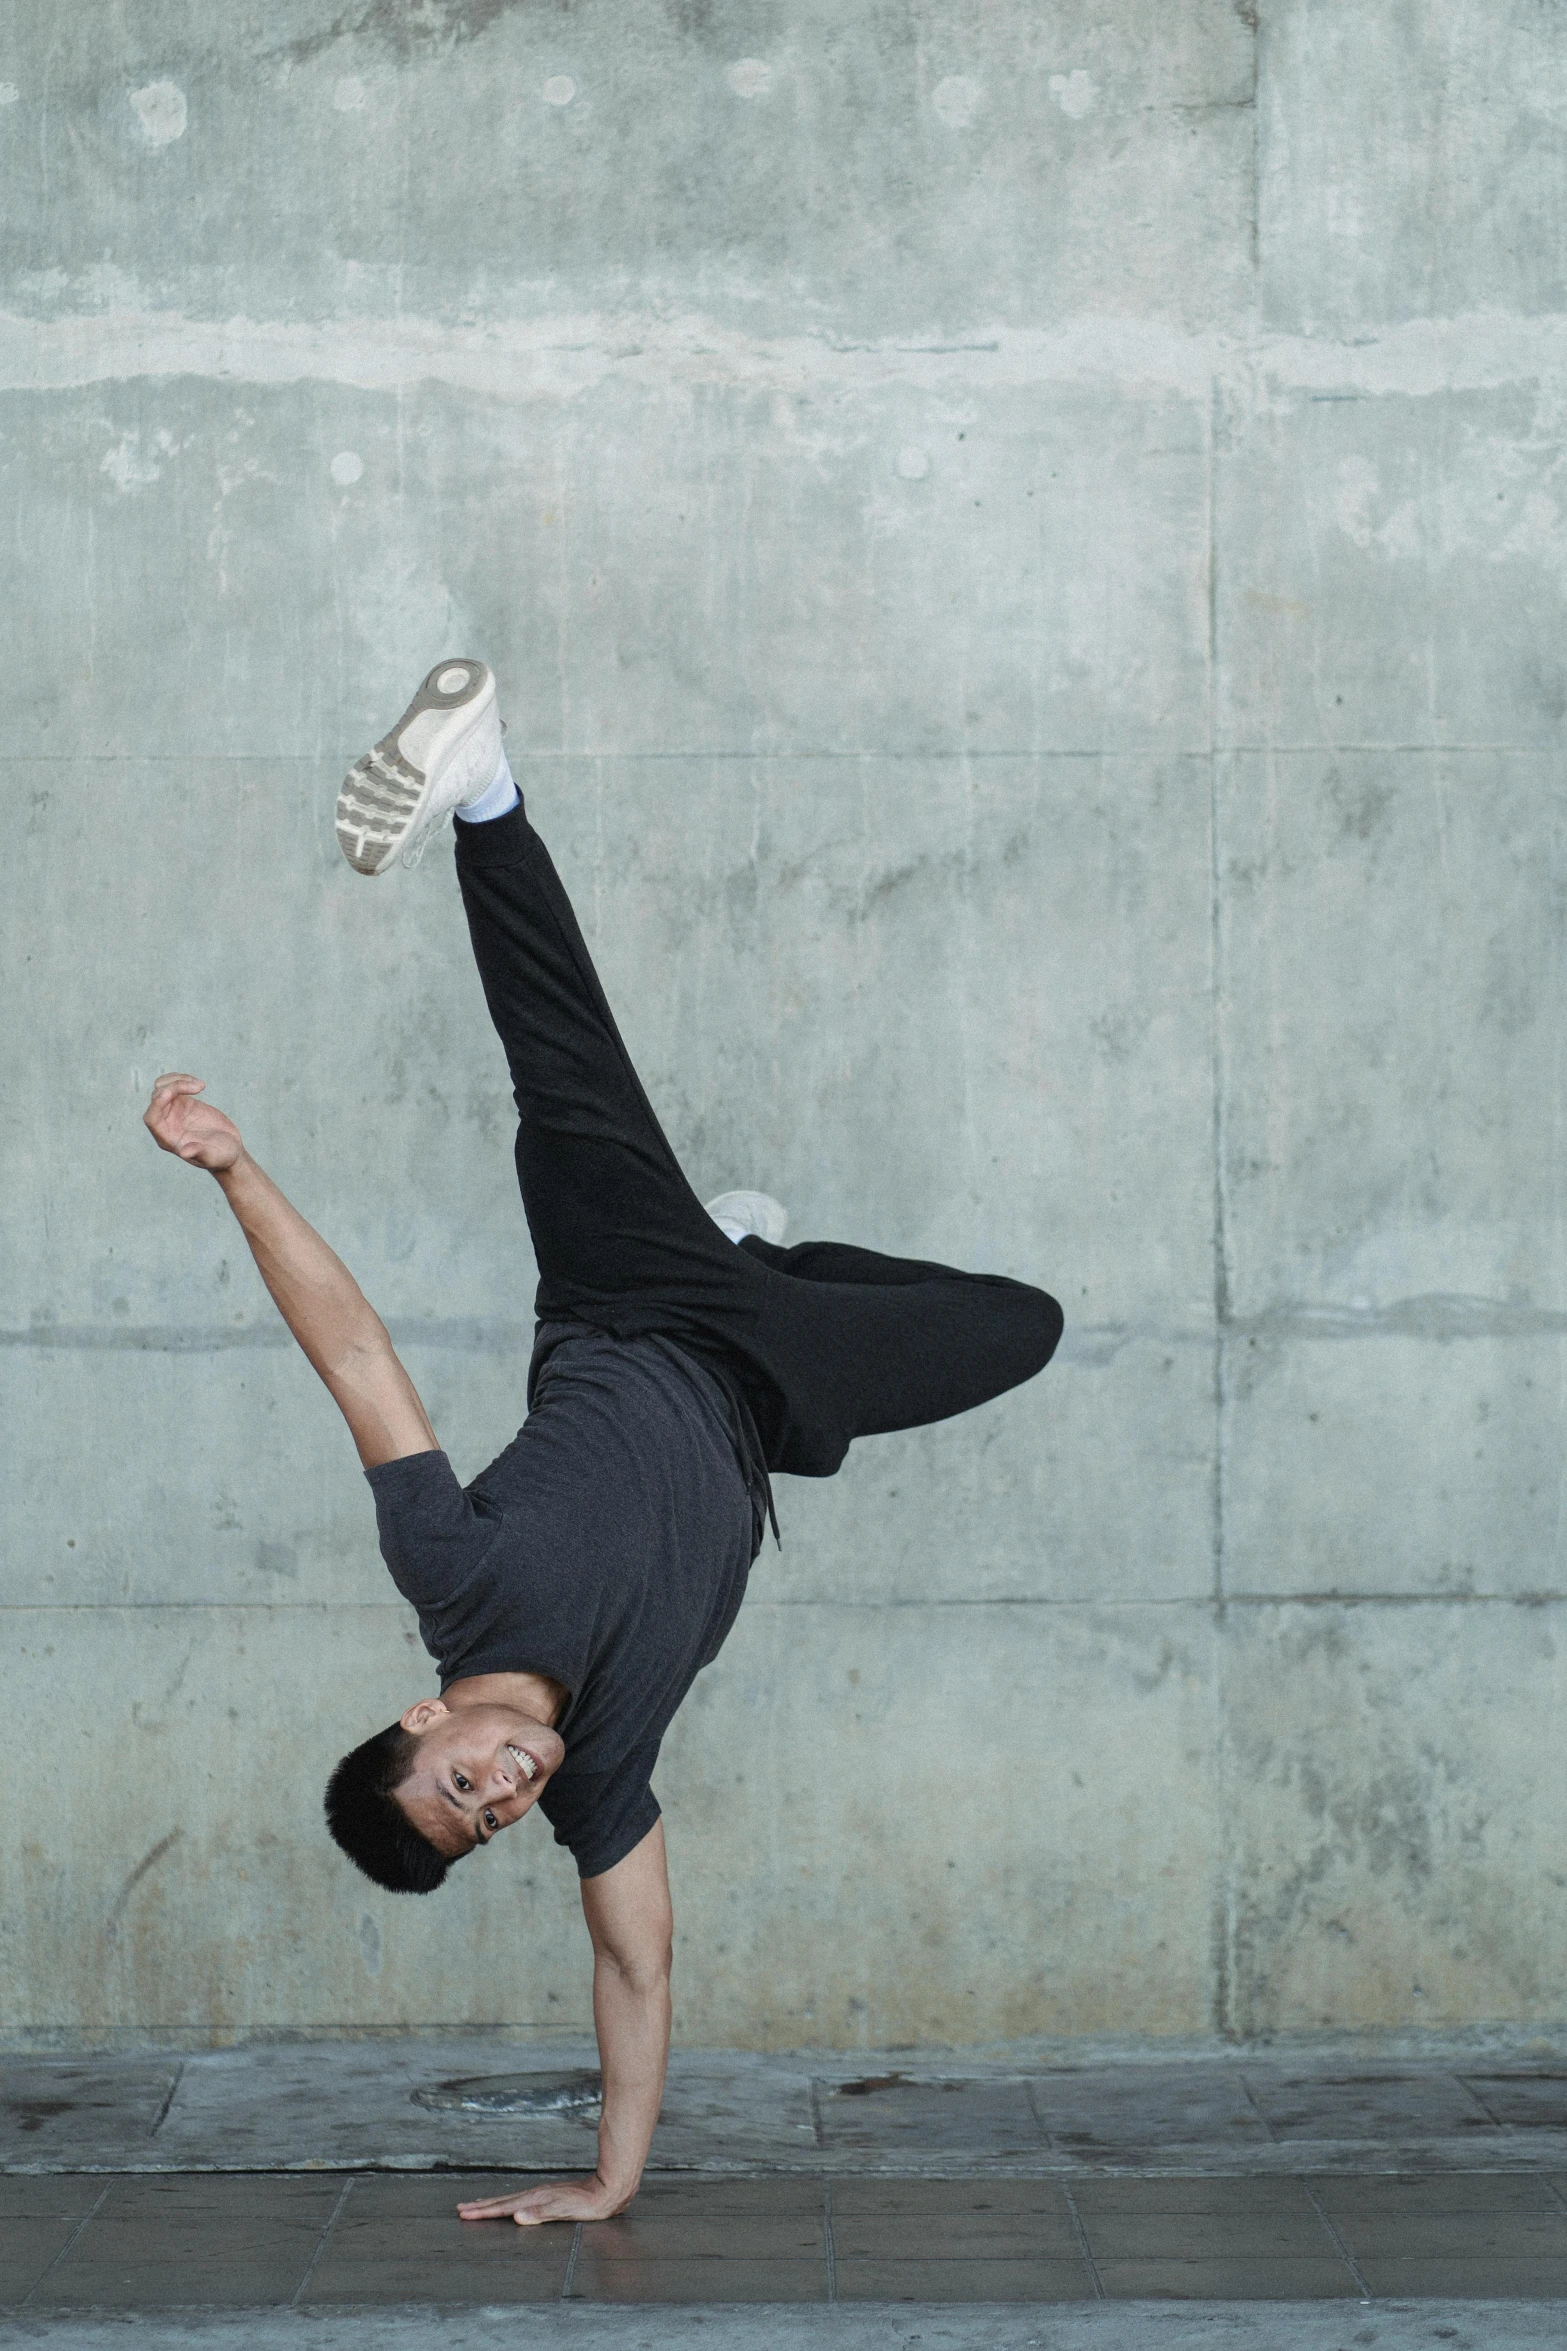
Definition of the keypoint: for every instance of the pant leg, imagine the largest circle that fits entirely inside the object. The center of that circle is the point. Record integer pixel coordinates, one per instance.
(860, 1345)
(618, 1233)
(832, 1343)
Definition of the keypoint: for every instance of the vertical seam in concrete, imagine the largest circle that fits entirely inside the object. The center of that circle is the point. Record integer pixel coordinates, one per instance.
(1221, 1274)
(1083, 2245)
(829, 2250)
(1556, 1168)
(1339, 2246)
(66, 2247)
(569, 2279)
(344, 2193)
(1224, 1904)
(1256, 157)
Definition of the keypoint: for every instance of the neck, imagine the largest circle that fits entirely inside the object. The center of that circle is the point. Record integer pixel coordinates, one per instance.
(531, 1693)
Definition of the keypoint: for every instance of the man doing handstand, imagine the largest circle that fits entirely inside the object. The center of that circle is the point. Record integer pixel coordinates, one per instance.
(571, 1594)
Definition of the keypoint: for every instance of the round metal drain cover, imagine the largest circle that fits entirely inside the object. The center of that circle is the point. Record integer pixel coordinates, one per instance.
(510, 2094)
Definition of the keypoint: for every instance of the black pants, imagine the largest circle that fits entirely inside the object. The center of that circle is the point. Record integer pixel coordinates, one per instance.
(831, 1343)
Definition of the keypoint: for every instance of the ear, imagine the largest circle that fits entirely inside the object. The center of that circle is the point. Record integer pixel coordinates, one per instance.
(421, 1715)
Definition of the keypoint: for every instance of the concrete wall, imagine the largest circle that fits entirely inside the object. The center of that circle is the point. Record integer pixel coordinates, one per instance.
(1024, 548)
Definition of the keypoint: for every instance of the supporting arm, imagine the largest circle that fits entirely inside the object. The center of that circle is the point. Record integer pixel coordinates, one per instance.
(631, 1921)
(632, 1925)
(319, 1299)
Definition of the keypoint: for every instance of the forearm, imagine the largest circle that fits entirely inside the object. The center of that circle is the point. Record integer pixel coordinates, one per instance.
(319, 1299)
(631, 2015)
(322, 1304)
(313, 1289)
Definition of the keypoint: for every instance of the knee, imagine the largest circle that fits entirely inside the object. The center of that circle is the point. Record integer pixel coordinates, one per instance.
(1040, 1323)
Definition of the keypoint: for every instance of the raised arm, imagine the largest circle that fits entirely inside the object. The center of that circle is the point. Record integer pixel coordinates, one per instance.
(315, 1293)
(632, 1926)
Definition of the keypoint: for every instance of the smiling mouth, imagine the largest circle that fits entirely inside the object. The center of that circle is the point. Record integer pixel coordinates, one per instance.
(524, 1762)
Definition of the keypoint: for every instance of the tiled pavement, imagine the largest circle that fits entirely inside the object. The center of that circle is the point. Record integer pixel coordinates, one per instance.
(73, 2242)
(313, 2185)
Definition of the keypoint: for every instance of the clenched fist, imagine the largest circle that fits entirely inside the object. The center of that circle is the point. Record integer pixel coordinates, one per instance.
(192, 1130)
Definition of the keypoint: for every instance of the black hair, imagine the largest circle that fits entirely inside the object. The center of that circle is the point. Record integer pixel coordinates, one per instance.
(365, 1817)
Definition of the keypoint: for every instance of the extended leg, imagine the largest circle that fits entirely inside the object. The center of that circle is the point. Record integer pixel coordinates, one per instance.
(621, 1238)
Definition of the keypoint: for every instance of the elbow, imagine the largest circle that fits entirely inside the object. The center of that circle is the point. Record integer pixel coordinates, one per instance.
(645, 1974)
(363, 1349)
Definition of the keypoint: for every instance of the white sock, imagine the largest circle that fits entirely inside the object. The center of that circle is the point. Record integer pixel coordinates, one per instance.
(497, 799)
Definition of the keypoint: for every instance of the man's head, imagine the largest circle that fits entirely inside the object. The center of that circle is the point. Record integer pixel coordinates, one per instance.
(428, 1789)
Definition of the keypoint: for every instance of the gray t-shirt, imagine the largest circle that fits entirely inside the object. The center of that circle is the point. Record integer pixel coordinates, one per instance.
(607, 1547)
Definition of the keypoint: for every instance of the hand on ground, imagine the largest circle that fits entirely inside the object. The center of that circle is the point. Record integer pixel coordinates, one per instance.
(192, 1130)
(561, 2200)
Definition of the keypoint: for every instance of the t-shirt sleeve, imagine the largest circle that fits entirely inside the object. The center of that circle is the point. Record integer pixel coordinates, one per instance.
(432, 1537)
(602, 1816)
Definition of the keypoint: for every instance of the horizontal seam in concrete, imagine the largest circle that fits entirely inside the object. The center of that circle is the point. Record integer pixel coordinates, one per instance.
(1089, 1343)
(1196, 1599)
(561, 357)
(942, 756)
(1308, 2159)
(1434, 1317)
(1204, 1601)
(390, 1606)
(1216, 1602)
(214, 1338)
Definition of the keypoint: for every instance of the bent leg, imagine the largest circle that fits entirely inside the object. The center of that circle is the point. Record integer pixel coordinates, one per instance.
(859, 1345)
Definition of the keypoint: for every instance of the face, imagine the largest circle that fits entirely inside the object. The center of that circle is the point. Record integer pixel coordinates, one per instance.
(478, 1769)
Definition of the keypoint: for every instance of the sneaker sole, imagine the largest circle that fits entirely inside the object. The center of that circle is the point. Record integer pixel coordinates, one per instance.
(384, 795)
(759, 1212)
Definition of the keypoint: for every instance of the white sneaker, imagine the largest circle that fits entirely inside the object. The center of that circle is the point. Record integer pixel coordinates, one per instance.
(443, 751)
(739, 1213)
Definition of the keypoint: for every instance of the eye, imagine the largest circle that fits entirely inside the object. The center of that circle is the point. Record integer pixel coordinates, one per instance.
(490, 1820)
(462, 1785)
